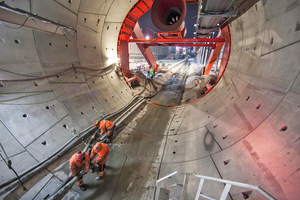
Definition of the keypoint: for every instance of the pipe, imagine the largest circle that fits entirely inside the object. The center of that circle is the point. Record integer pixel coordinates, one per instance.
(127, 110)
(63, 191)
(136, 106)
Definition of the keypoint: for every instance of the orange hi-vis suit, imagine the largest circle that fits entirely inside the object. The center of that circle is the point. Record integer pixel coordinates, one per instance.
(105, 125)
(102, 151)
(76, 166)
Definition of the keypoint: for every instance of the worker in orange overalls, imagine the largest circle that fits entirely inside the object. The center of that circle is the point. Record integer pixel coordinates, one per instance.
(107, 126)
(80, 161)
(148, 71)
(102, 151)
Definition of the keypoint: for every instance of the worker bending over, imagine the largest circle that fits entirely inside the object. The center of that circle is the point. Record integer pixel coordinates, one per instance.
(105, 126)
(102, 151)
(80, 161)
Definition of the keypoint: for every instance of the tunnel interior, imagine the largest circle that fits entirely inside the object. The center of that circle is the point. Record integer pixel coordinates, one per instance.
(245, 130)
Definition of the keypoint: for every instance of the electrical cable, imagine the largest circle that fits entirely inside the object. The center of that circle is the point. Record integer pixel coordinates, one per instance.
(22, 104)
(8, 164)
(15, 27)
(43, 30)
(69, 34)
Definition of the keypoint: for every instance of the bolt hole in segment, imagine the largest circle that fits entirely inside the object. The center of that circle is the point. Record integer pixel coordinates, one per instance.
(283, 128)
(25, 115)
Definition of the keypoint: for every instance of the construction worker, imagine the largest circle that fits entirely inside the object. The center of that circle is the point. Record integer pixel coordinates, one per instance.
(102, 151)
(80, 161)
(152, 72)
(148, 71)
(105, 126)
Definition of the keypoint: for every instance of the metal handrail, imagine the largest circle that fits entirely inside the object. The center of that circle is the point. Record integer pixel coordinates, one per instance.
(228, 184)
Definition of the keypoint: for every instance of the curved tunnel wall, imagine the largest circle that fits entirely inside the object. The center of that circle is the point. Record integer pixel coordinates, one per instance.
(263, 70)
(54, 105)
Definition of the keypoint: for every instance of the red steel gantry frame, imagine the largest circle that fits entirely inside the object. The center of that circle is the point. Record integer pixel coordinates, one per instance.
(127, 29)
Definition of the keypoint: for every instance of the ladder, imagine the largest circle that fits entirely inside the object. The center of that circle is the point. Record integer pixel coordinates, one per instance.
(160, 186)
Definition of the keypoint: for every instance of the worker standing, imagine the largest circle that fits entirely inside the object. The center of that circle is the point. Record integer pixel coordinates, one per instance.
(152, 72)
(80, 161)
(105, 126)
(148, 71)
(102, 151)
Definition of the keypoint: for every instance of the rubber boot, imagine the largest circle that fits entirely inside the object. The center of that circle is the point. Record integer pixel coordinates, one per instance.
(82, 187)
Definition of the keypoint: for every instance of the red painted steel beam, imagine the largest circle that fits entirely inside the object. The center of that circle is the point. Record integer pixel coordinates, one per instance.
(226, 51)
(213, 55)
(138, 34)
(181, 45)
(183, 40)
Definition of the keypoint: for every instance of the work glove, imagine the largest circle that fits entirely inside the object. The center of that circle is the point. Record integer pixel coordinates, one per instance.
(79, 175)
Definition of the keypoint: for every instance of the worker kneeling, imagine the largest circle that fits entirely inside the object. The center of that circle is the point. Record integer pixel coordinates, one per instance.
(80, 161)
(102, 151)
(105, 126)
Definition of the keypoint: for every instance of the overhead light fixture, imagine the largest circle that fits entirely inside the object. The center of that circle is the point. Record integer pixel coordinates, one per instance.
(147, 37)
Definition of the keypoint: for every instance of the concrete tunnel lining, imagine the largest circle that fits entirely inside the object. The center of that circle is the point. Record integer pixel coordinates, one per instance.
(263, 65)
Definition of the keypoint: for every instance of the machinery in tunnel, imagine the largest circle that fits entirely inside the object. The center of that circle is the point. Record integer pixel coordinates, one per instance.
(244, 130)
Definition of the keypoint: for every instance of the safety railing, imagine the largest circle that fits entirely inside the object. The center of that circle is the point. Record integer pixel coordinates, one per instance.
(161, 184)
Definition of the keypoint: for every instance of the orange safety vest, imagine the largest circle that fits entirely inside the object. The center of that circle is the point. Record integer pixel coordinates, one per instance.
(76, 167)
(101, 155)
(105, 124)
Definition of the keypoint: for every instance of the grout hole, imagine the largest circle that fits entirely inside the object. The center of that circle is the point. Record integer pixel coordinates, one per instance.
(247, 194)
(35, 83)
(65, 126)
(47, 107)
(215, 125)
(248, 98)
(176, 141)
(94, 47)
(82, 113)
(44, 143)
(76, 76)
(25, 115)
(113, 96)
(84, 20)
(174, 152)
(258, 106)
(57, 76)
(208, 117)
(283, 128)
(93, 82)
(17, 41)
(93, 107)
(226, 162)
(112, 77)
(271, 42)
(66, 45)
(105, 99)
(128, 133)
(107, 27)
(50, 44)
(84, 46)
(70, 1)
